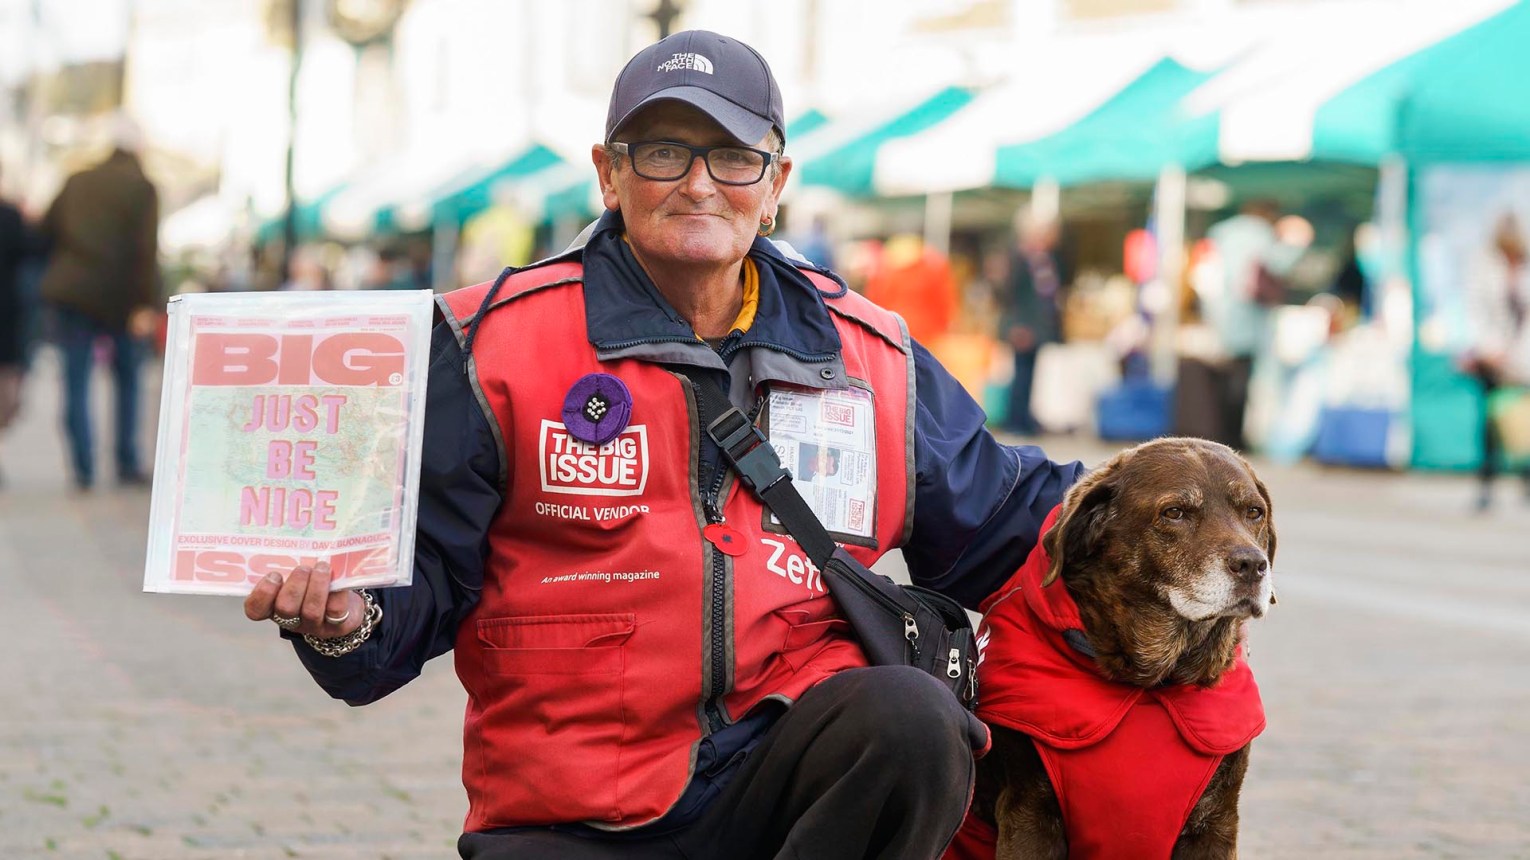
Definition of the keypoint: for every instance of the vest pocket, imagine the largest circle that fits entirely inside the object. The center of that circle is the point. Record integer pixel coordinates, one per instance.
(555, 644)
(554, 716)
(808, 631)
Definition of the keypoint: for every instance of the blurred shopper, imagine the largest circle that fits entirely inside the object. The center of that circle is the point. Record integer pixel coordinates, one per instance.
(17, 244)
(1498, 313)
(1257, 255)
(1033, 293)
(306, 271)
(814, 244)
(915, 281)
(102, 282)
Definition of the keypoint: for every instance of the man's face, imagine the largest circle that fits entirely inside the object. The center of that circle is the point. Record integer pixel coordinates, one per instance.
(692, 220)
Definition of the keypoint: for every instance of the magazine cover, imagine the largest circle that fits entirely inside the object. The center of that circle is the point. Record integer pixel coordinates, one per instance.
(289, 433)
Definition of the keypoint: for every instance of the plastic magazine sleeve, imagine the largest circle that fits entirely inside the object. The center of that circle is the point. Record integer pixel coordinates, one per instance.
(290, 428)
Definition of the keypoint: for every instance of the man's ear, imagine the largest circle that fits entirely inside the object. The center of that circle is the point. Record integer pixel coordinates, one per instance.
(779, 183)
(1081, 524)
(605, 171)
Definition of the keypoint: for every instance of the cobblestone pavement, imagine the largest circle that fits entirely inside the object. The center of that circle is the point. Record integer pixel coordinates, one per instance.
(1396, 673)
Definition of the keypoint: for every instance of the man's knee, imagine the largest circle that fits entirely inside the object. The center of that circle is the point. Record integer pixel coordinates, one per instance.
(899, 710)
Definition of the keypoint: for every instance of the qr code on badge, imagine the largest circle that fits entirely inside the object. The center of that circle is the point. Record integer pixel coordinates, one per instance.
(857, 515)
(839, 413)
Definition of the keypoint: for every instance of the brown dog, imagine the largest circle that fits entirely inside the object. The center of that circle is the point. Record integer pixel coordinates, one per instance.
(1162, 554)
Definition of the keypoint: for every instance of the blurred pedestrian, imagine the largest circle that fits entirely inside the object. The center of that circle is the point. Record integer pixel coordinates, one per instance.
(1033, 293)
(102, 282)
(1498, 315)
(17, 244)
(915, 281)
(815, 244)
(1257, 250)
(306, 271)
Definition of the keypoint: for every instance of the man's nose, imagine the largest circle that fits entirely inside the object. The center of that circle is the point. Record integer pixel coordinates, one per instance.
(1247, 564)
(697, 182)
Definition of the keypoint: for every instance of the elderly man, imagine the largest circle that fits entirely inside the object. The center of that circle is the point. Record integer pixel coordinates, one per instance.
(653, 667)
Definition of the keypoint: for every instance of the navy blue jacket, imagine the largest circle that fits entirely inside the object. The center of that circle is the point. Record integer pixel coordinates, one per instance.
(978, 504)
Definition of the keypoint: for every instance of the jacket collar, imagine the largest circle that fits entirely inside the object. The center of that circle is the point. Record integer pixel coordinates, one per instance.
(624, 309)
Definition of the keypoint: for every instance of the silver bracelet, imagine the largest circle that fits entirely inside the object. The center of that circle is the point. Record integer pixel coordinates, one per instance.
(342, 645)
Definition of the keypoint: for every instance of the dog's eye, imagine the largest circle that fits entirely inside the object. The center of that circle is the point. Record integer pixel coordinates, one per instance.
(1255, 513)
(1173, 513)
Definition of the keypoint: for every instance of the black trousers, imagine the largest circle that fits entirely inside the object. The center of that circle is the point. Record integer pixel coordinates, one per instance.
(1492, 443)
(874, 762)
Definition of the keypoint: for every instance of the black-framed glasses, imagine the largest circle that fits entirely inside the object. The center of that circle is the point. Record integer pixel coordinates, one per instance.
(666, 161)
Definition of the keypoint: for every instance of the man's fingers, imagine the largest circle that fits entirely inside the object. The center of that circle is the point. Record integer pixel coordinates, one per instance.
(259, 602)
(349, 607)
(305, 595)
(316, 597)
(289, 601)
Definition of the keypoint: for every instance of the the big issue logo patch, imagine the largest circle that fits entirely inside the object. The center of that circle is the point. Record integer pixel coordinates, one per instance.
(576, 468)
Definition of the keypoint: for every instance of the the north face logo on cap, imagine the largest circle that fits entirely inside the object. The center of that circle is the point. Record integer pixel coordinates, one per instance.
(686, 61)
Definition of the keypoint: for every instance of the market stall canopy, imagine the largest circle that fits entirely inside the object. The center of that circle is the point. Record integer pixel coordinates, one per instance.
(960, 152)
(307, 215)
(1461, 100)
(1131, 137)
(842, 154)
(365, 206)
(1322, 93)
(810, 120)
(476, 188)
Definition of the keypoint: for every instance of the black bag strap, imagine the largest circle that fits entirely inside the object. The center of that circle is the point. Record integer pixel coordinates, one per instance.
(756, 461)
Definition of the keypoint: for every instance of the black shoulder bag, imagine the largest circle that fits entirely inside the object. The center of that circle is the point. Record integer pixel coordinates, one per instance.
(898, 625)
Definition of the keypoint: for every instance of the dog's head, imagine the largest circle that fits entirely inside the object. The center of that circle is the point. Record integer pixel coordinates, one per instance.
(1184, 519)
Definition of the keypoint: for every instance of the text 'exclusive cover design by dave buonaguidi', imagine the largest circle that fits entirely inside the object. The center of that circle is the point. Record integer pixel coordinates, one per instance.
(289, 433)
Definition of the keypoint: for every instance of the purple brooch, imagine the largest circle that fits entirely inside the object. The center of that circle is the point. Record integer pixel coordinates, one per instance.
(597, 408)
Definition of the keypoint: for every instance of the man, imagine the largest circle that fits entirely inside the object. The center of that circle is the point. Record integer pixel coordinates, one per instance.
(1033, 315)
(651, 665)
(102, 281)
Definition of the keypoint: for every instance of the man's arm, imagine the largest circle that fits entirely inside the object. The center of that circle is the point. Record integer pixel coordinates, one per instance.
(978, 505)
(459, 495)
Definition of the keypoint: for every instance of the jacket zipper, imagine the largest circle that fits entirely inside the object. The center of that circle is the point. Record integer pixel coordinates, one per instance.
(719, 596)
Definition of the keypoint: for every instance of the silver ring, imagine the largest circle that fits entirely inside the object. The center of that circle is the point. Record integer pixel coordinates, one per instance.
(286, 623)
(338, 620)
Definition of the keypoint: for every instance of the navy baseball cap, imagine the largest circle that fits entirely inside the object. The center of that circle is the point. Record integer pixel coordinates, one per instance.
(724, 78)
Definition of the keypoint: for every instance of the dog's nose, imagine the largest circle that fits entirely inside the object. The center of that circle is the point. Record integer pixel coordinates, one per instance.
(1248, 564)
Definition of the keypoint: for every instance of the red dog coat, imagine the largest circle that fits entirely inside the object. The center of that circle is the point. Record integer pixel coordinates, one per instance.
(1128, 764)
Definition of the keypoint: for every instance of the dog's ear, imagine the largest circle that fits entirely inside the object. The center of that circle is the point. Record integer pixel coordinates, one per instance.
(1081, 524)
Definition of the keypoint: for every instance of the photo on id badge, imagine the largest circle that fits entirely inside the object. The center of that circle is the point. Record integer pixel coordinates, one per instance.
(827, 439)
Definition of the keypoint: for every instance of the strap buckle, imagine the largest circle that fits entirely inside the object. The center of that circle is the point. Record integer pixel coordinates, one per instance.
(747, 449)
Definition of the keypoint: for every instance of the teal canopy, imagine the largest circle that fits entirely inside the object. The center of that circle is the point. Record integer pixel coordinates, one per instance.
(472, 190)
(308, 217)
(811, 120)
(1462, 99)
(849, 167)
(1131, 137)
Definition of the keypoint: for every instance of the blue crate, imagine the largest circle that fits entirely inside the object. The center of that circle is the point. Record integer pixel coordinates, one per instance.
(1353, 436)
(1133, 411)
